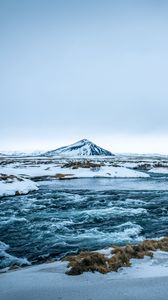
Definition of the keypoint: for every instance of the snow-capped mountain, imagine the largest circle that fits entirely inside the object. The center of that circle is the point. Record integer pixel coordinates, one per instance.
(20, 154)
(2, 154)
(12, 153)
(81, 148)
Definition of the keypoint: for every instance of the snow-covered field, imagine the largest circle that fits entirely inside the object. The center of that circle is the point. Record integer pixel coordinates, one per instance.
(16, 186)
(159, 170)
(147, 279)
(56, 167)
(42, 170)
(26, 170)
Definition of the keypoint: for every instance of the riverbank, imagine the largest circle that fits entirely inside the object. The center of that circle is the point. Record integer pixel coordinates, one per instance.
(145, 279)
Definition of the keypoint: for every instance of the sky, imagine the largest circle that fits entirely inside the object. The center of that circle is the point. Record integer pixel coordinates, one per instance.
(84, 69)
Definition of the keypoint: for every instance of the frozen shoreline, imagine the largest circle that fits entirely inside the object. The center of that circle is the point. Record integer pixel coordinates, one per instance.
(16, 186)
(52, 170)
(146, 279)
(24, 176)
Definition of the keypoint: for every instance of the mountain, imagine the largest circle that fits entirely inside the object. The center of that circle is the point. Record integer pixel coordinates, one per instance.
(81, 148)
(2, 154)
(20, 154)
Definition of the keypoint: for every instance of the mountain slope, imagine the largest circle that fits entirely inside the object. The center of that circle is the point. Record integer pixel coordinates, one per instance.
(81, 148)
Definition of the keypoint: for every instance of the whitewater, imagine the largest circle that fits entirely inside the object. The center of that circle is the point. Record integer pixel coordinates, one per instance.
(64, 217)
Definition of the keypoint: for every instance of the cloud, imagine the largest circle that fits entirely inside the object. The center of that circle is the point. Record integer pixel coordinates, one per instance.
(88, 68)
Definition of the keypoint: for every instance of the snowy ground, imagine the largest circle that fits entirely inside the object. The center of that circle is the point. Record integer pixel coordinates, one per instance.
(147, 279)
(52, 168)
(42, 170)
(28, 169)
(159, 170)
(16, 185)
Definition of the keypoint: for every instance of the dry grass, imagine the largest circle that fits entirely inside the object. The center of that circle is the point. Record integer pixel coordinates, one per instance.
(147, 166)
(160, 165)
(86, 262)
(61, 176)
(57, 176)
(9, 178)
(121, 256)
(82, 164)
(143, 166)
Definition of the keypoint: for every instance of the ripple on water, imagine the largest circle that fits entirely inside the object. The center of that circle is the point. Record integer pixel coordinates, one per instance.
(52, 222)
(7, 260)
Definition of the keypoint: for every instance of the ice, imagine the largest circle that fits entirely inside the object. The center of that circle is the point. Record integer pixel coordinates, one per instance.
(17, 186)
(52, 170)
(159, 170)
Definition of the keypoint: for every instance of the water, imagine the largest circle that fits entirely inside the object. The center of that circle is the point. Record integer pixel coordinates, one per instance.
(64, 217)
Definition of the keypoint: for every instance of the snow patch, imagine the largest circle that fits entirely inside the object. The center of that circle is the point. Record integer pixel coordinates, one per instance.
(103, 171)
(159, 170)
(16, 186)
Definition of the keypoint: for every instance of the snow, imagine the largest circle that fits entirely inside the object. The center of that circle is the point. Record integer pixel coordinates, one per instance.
(21, 154)
(42, 170)
(105, 171)
(107, 252)
(17, 185)
(140, 268)
(159, 170)
(26, 170)
(145, 279)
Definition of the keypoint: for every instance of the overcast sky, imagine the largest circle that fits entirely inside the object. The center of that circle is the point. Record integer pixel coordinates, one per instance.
(84, 69)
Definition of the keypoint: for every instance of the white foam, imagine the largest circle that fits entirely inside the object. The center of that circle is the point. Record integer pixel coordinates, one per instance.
(7, 260)
(3, 246)
(126, 233)
(113, 211)
(12, 220)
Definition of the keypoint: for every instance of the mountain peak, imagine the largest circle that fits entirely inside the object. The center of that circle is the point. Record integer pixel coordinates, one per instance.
(83, 147)
(84, 141)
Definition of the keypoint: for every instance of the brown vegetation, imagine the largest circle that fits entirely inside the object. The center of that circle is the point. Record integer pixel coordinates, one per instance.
(61, 176)
(9, 178)
(121, 256)
(147, 166)
(143, 167)
(18, 193)
(86, 261)
(160, 165)
(82, 164)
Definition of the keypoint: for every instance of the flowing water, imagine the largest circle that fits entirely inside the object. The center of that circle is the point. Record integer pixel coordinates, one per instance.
(64, 217)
